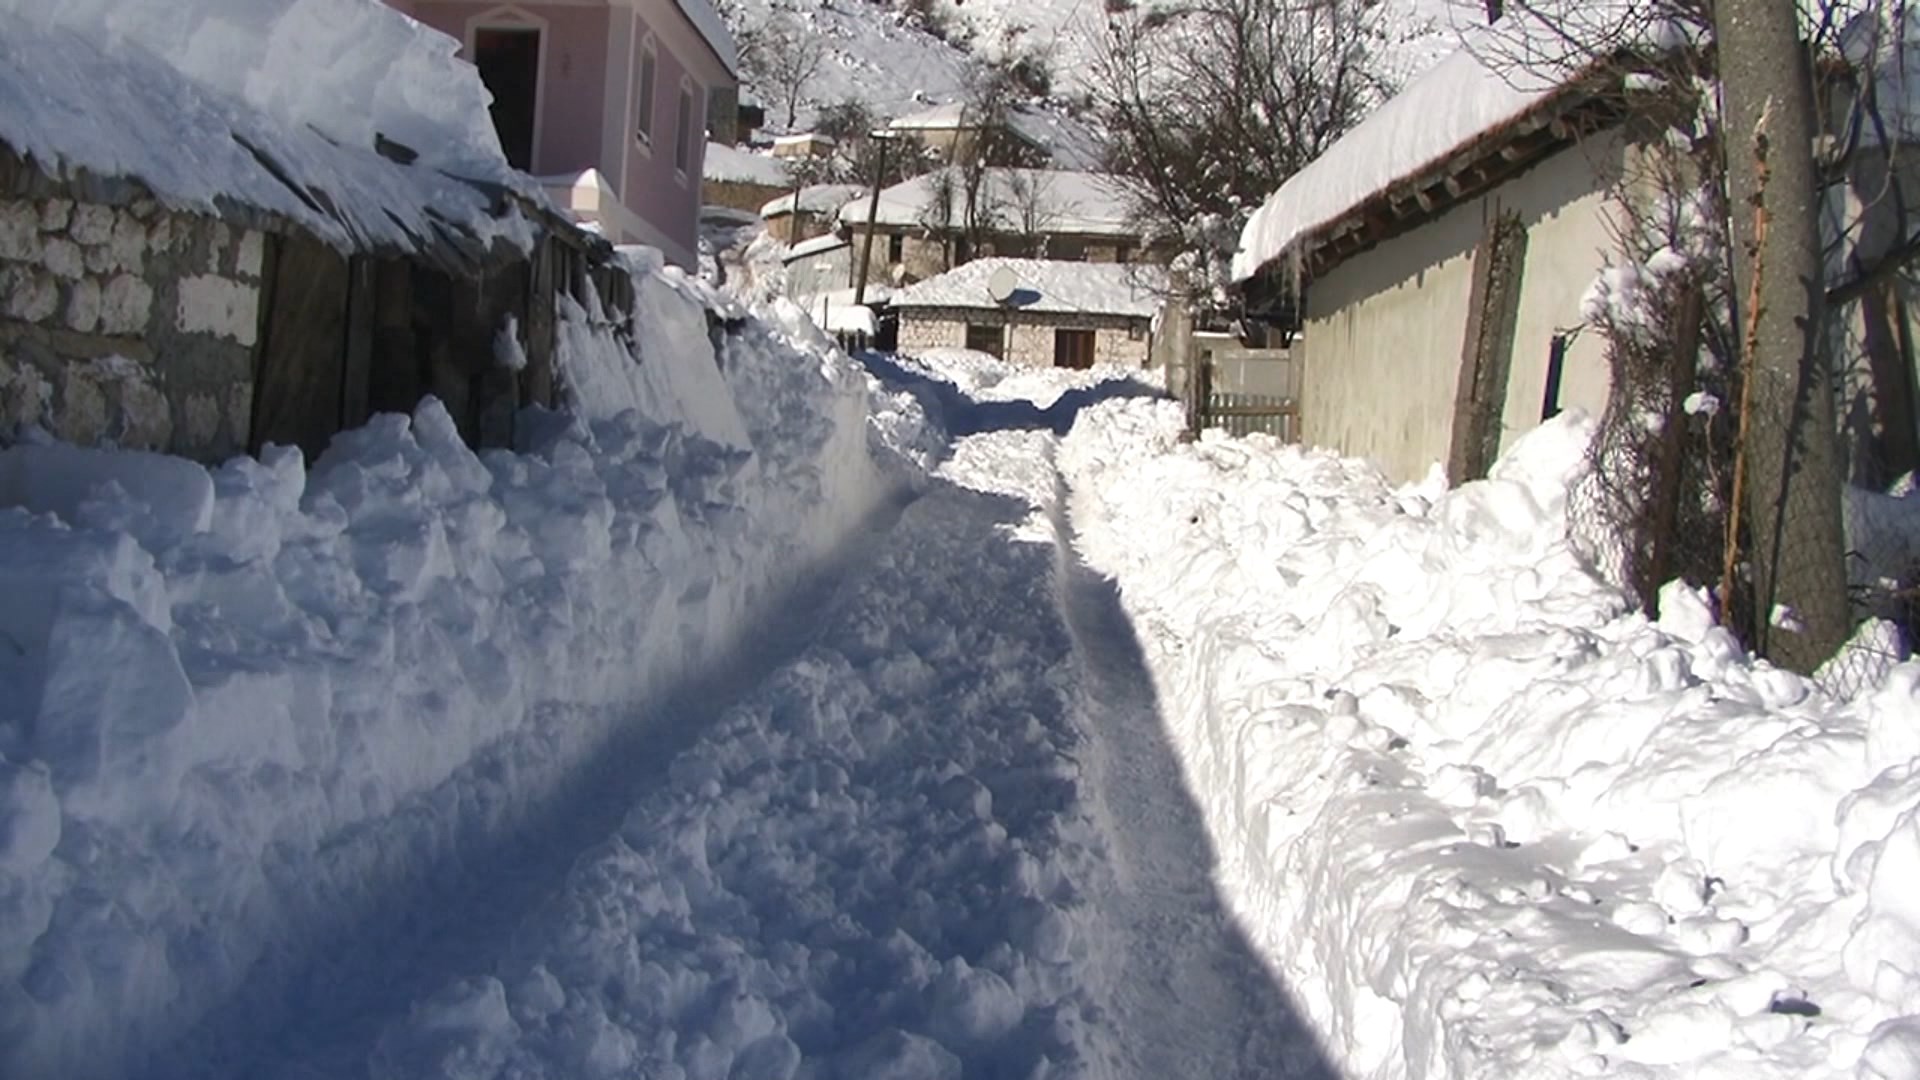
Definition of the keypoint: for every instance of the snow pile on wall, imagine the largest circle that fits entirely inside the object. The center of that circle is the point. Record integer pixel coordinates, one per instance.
(1485, 818)
(192, 97)
(245, 707)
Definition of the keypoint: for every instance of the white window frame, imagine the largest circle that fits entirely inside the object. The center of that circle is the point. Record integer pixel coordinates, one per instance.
(646, 82)
(513, 17)
(683, 132)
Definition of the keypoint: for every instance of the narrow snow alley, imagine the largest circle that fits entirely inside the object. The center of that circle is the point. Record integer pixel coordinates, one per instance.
(944, 838)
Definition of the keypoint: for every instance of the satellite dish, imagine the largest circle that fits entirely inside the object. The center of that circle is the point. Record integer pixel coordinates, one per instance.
(1002, 283)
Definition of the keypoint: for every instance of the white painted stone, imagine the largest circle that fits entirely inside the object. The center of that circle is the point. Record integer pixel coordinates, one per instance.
(160, 235)
(125, 305)
(19, 231)
(99, 259)
(129, 244)
(83, 306)
(92, 224)
(221, 307)
(202, 419)
(55, 213)
(32, 295)
(252, 254)
(63, 257)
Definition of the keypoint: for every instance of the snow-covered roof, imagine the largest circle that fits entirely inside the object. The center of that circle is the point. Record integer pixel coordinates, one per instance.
(731, 164)
(272, 106)
(814, 199)
(1499, 75)
(946, 117)
(712, 27)
(815, 246)
(1047, 286)
(1066, 141)
(1062, 202)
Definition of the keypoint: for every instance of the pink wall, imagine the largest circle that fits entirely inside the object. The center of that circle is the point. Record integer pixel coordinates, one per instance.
(653, 191)
(573, 106)
(573, 83)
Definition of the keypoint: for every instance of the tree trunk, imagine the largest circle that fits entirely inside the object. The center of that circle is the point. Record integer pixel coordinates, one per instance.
(1795, 544)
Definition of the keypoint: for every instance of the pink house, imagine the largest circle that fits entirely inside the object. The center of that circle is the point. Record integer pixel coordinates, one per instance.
(604, 100)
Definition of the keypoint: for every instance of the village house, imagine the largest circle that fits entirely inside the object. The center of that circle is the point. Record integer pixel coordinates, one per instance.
(1446, 255)
(812, 211)
(1039, 312)
(253, 277)
(950, 133)
(1478, 232)
(742, 179)
(606, 100)
(923, 224)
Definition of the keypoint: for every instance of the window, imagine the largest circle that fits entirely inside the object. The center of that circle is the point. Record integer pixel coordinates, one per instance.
(896, 249)
(1136, 330)
(683, 132)
(1073, 348)
(987, 339)
(643, 95)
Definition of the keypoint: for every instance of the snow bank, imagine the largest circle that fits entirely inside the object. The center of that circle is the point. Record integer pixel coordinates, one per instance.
(192, 97)
(1484, 818)
(227, 740)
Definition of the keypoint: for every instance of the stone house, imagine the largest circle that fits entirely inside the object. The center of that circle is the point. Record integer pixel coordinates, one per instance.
(921, 229)
(1055, 314)
(812, 211)
(948, 133)
(607, 101)
(742, 179)
(246, 280)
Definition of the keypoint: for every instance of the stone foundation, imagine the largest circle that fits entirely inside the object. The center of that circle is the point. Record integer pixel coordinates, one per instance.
(131, 326)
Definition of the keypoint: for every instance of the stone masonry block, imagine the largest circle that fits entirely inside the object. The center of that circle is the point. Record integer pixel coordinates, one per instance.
(129, 243)
(31, 295)
(55, 213)
(160, 235)
(63, 257)
(83, 306)
(92, 224)
(125, 305)
(19, 231)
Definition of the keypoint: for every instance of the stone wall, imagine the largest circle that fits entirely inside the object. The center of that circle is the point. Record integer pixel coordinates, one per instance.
(129, 325)
(1117, 339)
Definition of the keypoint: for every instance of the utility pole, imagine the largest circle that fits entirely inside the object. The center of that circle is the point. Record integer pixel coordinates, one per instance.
(873, 211)
(1795, 546)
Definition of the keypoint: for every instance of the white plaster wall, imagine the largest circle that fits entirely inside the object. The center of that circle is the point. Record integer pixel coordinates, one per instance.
(1566, 205)
(1383, 335)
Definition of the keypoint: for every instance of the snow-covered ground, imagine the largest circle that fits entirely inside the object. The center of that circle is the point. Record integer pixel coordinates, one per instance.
(253, 715)
(767, 718)
(1484, 818)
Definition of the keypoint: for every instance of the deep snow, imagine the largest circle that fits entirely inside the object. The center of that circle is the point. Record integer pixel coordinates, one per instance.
(765, 719)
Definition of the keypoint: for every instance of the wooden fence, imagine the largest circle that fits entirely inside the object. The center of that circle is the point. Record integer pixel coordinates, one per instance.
(1243, 391)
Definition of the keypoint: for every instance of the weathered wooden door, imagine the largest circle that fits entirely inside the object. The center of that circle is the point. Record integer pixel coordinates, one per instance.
(301, 366)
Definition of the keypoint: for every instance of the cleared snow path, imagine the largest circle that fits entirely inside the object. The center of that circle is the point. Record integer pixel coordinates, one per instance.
(1185, 982)
(944, 839)
(352, 980)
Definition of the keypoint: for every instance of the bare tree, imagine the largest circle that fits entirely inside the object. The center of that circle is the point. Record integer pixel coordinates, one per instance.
(1211, 109)
(780, 59)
